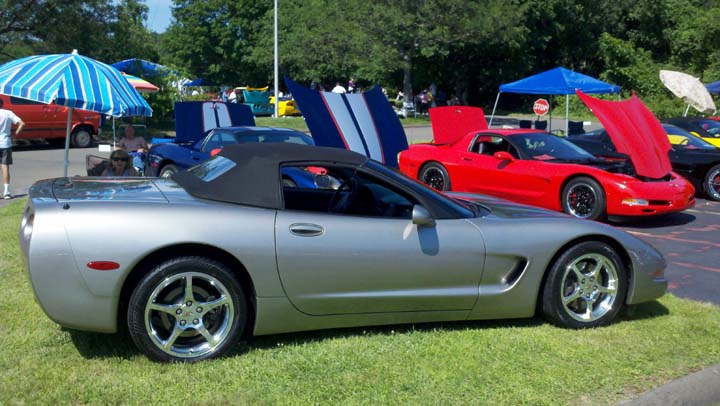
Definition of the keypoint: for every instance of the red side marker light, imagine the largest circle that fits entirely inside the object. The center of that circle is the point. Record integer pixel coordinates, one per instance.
(103, 265)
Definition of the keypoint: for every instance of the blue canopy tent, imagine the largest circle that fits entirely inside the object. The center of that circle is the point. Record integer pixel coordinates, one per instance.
(139, 67)
(713, 87)
(556, 81)
(199, 82)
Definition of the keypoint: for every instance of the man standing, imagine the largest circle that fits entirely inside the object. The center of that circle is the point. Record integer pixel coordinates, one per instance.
(7, 119)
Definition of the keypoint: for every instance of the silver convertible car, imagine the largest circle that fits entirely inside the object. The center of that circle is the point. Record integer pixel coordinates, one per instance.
(190, 264)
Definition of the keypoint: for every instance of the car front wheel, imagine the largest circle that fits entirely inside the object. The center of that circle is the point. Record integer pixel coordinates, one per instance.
(168, 171)
(435, 175)
(584, 198)
(81, 138)
(712, 183)
(585, 287)
(187, 309)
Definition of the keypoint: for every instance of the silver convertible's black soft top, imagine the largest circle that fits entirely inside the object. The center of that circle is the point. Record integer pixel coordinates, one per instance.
(250, 174)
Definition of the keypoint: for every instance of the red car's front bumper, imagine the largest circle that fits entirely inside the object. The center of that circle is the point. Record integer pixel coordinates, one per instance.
(651, 198)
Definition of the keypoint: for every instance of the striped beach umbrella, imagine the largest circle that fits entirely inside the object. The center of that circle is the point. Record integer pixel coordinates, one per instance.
(141, 85)
(74, 81)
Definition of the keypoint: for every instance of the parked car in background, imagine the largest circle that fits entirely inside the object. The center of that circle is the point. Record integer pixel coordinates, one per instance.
(286, 106)
(49, 122)
(706, 128)
(242, 253)
(166, 158)
(537, 168)
(692, 157)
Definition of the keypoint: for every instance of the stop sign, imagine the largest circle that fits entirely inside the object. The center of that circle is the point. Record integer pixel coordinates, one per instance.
(541, 107)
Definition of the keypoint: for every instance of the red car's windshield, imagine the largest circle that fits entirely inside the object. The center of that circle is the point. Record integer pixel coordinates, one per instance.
(548, 147)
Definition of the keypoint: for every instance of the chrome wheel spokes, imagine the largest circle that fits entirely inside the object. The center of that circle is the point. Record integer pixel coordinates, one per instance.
(589, 287)
(713, 184)
(581, 199)
(189, 314)
(434, 178)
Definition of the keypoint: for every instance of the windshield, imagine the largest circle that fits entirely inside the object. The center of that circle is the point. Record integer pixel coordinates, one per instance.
(683, 139)
(279, 136)
(548, 147)
(711, 126)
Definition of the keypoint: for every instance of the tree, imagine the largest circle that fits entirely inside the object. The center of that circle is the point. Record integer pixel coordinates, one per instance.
(213, 39)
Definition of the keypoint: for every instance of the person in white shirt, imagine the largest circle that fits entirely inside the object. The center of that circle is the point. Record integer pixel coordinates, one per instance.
(339, 88)
(7, 119)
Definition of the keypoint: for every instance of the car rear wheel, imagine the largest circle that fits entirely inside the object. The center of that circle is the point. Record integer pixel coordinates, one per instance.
(168, 171)
(712, 183)
(435, 175)
(81, 138)
(187, 309)
(585, 287)
(584, 198)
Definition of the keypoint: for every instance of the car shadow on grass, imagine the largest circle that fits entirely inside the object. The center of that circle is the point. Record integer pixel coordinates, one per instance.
(641, 311)
(120, 345)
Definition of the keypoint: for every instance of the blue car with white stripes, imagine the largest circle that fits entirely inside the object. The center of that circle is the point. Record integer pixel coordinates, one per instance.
(166, 158)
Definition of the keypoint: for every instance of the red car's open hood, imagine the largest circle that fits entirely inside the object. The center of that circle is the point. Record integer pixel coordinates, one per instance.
(635, 131)
(451, 123)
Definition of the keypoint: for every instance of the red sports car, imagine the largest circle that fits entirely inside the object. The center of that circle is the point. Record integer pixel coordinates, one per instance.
(545, 170)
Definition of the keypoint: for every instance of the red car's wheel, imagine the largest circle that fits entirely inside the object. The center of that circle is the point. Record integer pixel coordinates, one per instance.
(712, 183)
(435, 175)
(584, 198)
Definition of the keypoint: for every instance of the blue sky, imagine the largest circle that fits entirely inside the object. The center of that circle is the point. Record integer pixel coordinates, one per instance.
(159, 14)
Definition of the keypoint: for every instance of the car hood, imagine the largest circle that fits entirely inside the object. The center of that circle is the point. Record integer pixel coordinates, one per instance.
(451, 123)
(636, 132)
(504, 208)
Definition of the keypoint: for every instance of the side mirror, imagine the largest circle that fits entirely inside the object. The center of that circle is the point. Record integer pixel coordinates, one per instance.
(504, 156)
(422, 217)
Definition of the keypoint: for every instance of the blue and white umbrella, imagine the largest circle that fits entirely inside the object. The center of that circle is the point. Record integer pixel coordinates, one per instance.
(74, 81)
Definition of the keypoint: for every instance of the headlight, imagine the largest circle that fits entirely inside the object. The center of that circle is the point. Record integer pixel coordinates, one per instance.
(635, 202)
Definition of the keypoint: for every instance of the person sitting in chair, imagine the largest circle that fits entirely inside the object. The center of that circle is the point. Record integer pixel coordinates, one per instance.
(134, 145)
(119, 165)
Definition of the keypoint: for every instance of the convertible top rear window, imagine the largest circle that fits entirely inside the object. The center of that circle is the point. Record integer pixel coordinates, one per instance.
(212, 168)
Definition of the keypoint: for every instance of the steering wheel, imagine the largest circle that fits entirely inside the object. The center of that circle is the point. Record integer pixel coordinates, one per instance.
(348, 185)
(685, 141)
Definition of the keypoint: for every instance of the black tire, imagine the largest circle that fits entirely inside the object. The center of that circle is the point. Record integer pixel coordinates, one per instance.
(168, 171)
(81, 138)
(435, 175)
(585, 287)
(711, 183)
(168, 323)
(584, 198)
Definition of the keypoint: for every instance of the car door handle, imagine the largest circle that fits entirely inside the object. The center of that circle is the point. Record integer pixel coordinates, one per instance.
(306, 230)
(466, 159)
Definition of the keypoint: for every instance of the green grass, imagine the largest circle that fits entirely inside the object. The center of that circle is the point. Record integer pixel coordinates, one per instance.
(498, 363)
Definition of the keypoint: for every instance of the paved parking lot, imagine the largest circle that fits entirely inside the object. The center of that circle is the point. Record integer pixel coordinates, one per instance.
(689, 240)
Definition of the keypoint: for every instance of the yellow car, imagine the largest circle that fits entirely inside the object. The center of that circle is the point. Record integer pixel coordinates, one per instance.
(706, 128)
(286, 106)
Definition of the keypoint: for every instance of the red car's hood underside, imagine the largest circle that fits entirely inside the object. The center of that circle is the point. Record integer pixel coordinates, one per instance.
(451, 123)
(635, 131)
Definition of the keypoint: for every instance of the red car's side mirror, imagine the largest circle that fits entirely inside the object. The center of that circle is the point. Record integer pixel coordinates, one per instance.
(504, 155)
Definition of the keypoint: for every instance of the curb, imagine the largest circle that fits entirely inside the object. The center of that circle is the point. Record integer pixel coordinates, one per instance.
(699, 388)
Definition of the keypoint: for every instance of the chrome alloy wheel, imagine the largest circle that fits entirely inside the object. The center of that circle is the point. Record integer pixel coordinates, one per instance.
(189, 315)
(589, 287)
(713, 183)
(581, 200)
(434, 178)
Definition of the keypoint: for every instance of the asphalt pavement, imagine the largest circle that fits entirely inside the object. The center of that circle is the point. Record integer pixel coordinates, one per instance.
(689, 240)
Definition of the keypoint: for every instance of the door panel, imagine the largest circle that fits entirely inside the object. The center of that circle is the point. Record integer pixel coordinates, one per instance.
(341, 264)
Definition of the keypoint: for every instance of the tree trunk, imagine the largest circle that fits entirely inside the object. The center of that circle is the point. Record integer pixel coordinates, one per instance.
(407, 78)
